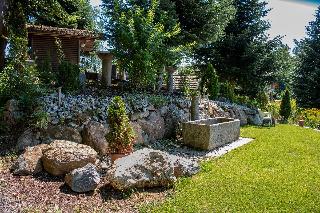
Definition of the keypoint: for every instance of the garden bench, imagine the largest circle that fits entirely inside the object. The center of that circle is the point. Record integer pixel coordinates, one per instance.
(267, 118)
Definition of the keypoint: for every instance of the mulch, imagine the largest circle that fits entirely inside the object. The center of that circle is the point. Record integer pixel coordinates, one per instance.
(46, 193)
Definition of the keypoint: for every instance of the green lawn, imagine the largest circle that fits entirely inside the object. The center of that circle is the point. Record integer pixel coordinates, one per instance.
(278, 172)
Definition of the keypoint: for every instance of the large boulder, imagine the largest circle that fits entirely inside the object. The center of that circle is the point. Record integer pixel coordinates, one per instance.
(83, 179)
(149, 168)
(140, 136)
(153, 126)
(28, 138)
(29, 162)
(61, 133)
(64, 156)
(94, 136)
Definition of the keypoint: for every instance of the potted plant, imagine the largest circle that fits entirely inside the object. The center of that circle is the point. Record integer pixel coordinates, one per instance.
(121, 136)
(301, 121)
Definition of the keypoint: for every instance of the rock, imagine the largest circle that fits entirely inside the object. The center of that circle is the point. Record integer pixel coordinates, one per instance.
(254, 119)
(61, 133)
(153, 126)
(241, 115)
(140, 136)
(29, 162)
(12, 112)
(149, 168)
(94, 135)
(83, 179)
(64, 156)
(28, 138)
(139, 115)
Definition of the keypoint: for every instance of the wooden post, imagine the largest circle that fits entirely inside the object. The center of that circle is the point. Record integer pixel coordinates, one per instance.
(170, 71)
(59, 96)
(195, 113)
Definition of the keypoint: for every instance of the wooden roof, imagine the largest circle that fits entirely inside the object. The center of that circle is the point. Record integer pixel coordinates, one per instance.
(63, 32)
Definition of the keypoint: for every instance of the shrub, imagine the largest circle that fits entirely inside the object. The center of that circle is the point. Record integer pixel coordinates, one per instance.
(262, 100)
(68, 76)
(210, 82)
(285, 106)
(311, 117)
(40, 119)
(158, 100)
(227, 91)
(121, 135)
(46, 74)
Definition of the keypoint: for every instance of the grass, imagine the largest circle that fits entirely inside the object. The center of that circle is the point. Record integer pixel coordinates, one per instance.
(278, 172)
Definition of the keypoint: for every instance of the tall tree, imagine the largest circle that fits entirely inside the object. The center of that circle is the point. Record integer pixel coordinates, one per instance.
(203, 21)
(3, 32)
(245, 56)
(307, 75)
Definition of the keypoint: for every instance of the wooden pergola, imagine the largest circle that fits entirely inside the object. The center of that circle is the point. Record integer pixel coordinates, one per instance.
(42, 41)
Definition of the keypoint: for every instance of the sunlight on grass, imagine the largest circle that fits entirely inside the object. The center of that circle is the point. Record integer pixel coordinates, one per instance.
(278, 171)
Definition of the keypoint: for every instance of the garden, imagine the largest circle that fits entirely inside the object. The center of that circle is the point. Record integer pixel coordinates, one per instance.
(156, 106)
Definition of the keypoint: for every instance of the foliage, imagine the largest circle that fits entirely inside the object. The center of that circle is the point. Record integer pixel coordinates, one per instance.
(227, 90)
(40, 119)
(121, 136)
(307, 75)
(202, 22)
(68, 76)
(267, 175)
(46, 74)
(210, 82)
(285, 106)
(139, 37)
(158, 100)
(245, 56)
(262, 99)
(311, 117)
(245, 100)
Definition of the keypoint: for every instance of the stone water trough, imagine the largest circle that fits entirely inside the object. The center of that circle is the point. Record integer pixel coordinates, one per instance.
(210, 133)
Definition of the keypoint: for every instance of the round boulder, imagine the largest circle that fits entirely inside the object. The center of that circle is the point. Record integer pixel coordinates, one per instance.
(149, 168)
(64, 156)
(83, 179)
(94, 136)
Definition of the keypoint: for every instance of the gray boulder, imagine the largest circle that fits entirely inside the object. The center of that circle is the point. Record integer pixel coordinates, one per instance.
(83, 179)
(153, 126)
(61, 133)
(29, 162)
(28, 138)
(149, 168)
(94, 136)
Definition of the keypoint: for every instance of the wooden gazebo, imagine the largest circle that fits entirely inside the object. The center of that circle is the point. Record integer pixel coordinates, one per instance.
(73, 41)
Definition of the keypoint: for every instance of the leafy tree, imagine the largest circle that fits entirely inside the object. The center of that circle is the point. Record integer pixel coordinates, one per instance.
(285, 106)
(202, 21)
(139, 37)
(307, 75)
(245, 56)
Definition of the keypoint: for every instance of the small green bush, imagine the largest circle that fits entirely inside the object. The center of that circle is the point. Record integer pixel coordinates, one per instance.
(158, 100)
(121, 136)
(46, 74)
(210, 82)
(40, 119)
(285, 106)
(227, 91)
(68, 76)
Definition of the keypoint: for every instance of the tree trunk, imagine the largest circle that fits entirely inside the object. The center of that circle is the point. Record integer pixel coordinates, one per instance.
(3, 33)
(160, 79)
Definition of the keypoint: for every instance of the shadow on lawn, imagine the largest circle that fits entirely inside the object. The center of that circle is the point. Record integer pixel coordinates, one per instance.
(107, 192)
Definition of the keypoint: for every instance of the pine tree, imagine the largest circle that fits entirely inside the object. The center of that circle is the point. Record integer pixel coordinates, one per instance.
(307, 75)
(285, 106)
(210, 82)
(245, 56)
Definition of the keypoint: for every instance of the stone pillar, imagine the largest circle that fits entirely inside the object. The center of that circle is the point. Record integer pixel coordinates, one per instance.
(106, 58)
(195, 113)
(170, 71)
